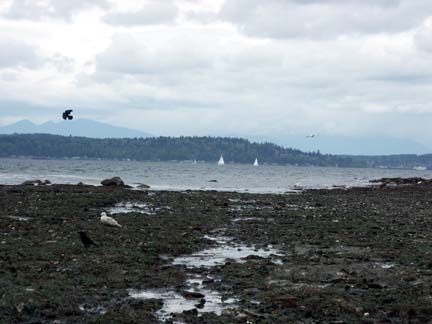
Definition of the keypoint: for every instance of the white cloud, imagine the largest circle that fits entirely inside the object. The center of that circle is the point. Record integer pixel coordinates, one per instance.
(136, 54)
(423, 36)
(153, 12)
(323, 19)
(14, 53)
(59, 9)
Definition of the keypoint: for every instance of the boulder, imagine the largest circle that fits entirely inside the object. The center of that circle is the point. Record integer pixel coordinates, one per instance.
(285, 301)
(143, 186)
(32, 183)
(193, 295)
(113, 182)
(400, 181)
(192, 311)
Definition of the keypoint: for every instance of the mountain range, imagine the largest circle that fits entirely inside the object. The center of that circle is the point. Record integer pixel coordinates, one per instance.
(78, 127)
(349, 145)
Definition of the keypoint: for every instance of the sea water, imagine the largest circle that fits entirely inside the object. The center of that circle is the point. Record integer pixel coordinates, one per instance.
(199, 176)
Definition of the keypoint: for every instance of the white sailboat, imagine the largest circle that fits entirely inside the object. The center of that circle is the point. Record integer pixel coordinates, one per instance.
(256, 162)
(221, 160)
(194, 162)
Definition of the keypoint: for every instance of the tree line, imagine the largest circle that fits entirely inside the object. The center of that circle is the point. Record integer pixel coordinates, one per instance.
(207, 149)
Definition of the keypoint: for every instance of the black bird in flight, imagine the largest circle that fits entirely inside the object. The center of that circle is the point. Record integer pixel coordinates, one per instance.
(87, 241)
(67, 114)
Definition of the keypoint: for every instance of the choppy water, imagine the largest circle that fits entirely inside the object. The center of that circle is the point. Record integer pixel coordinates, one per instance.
(182, 175)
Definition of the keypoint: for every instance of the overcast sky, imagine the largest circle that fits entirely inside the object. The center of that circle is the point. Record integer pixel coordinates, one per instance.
(194, 67)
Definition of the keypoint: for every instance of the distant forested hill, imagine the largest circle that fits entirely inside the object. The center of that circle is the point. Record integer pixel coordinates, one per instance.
(189, 148)
(162, 149)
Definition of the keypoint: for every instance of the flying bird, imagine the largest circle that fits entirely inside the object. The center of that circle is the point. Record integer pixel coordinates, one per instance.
(106, 220)
(67, 114)
(87, 241)
(311, 136)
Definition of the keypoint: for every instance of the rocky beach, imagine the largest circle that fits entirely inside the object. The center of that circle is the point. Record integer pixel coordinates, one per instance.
(360, 255)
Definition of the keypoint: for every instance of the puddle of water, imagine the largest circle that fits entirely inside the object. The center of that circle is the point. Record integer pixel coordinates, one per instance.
(210, 301)
(344, 249)
(240, 208)
(20, 218)
(239, 205)
(219, 239)
(300, 286)
(245, 219)
(92, 310)
(277, 261)
(244, 201)
(130, 207)
(298, 207)
(220, 254)
(134, 207)
(174, 302)
(385, 265)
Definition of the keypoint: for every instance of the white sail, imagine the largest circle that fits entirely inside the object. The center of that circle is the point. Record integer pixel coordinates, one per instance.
(221, 160)
(256, 162)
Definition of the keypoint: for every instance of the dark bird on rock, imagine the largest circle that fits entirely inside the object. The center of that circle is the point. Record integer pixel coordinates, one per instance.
(67, 114)
(87, 241)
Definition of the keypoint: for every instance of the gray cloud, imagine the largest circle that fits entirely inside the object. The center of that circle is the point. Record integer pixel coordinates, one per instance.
(296, 74)
(62, 63)
(323, 19)
(35, 10)
(379, 3)
(423, 36)
(133, 55)
(152, 13)
(17, 54)
(348, 86)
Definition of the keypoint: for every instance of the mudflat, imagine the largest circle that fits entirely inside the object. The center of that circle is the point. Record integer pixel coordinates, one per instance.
(361, 255)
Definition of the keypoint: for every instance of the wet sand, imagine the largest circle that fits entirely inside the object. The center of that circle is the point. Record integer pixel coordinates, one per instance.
(322, 256)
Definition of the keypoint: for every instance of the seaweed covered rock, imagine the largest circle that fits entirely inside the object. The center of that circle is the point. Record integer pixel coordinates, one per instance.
(31, 183)
(36, 183)
(400, 181)
(113, 182)
(143, 186)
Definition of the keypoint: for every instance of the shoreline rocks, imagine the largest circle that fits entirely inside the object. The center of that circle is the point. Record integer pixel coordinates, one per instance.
(362, 253)
(36, 183)
(113, 182)
(392, 182)
(142, 186)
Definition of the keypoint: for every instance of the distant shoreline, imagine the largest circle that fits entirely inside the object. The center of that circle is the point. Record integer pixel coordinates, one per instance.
(47, 158)
(209, 149)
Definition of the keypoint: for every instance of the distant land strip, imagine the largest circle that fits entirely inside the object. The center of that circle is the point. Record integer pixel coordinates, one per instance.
(208, 149)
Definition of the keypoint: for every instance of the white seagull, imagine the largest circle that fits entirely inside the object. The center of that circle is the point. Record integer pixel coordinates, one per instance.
(108, 220)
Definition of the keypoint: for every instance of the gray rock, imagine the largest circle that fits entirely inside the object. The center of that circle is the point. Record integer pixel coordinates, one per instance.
(113, 182)
(193, 295)
(32, 183)
(143, 186)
